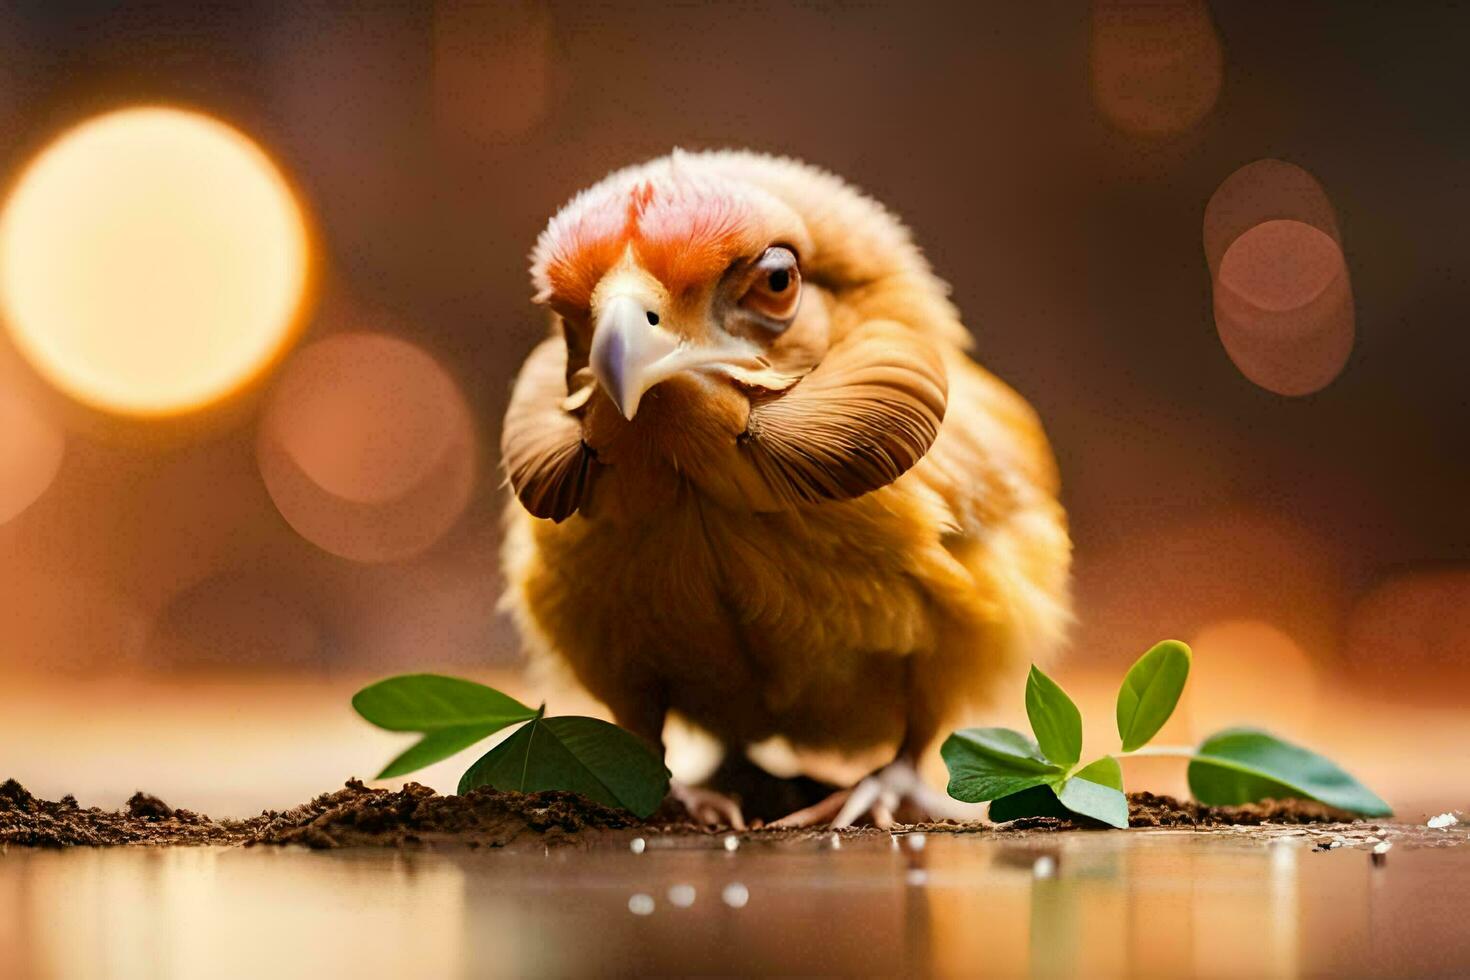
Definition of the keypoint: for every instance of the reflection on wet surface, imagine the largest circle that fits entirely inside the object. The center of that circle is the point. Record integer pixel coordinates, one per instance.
(1143, 903)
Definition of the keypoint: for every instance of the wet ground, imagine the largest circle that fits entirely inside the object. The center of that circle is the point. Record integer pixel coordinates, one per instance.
(1151, 903)
(1142, 903)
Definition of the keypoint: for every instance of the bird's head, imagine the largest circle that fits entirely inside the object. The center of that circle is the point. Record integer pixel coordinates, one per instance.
(674, 274)
(737, 321)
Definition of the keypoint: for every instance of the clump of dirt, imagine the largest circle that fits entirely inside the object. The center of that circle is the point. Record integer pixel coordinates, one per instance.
(352, 816)
(357, 816)
(1149, 810)
(29, 821)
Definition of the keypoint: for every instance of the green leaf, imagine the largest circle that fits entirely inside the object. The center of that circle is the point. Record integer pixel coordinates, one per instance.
(1038, 801)
(1150, 692)
(1096, 792)
(599, 760)
(433, 747)
(1096, 801)
(1245, 765)
(988, 763)
(1054, 719)
(431, 702)
(1105, 772)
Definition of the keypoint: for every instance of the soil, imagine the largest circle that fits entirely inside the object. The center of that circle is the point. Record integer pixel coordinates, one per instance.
(352, 816)
(356, 815)
(1148, 810)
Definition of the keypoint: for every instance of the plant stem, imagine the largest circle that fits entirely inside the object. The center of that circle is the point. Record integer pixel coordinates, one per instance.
(1182, 751)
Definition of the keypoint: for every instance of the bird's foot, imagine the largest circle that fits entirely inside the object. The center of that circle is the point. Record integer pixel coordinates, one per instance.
(891, 795)
(708, 807)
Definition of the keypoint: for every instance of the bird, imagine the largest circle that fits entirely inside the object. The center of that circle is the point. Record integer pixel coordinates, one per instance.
(758, 481)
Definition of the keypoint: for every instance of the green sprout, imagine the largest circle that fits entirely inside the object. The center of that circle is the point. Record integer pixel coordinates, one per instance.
(1024, 778)
(594, 758)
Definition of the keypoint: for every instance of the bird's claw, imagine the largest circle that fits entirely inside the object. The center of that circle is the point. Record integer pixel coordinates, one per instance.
(708, 807)
(891, 795)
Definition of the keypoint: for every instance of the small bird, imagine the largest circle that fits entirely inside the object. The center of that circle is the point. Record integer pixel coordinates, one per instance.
(759, 482)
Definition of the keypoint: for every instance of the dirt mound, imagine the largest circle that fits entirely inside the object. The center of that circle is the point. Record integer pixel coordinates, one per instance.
(352, 816)
(28, 821)
(1148, 810)
(356, 816)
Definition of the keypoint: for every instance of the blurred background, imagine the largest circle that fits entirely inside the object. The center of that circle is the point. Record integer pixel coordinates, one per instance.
(258, 343)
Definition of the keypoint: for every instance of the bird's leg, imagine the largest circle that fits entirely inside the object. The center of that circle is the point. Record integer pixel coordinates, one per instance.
(893, 794)
(708, 807)
(646, 718)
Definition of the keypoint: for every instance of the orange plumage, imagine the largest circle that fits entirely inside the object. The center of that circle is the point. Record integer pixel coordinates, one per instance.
(760, 483)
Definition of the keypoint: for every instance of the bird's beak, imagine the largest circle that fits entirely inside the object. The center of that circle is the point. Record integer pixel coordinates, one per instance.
(629, 353)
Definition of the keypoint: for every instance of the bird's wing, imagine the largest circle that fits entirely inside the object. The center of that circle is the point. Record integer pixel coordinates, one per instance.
(857, 422)
(546, 461)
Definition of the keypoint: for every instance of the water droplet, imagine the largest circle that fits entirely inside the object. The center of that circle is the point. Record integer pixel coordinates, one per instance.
(682, 895)
(836, 842)
(637, 845)
(735, 895)
(917, 842)
(731, 842)
(1045, 866)
(641, 904)
(916, 876)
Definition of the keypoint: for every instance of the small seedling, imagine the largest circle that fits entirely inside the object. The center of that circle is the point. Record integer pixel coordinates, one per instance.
(599, 760)
(1023, 778)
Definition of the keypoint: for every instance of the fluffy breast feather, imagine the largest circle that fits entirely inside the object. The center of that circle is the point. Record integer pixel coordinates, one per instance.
(946, 566)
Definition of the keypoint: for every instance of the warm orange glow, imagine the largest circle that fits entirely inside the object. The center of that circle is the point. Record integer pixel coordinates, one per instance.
(31, 448)
(236, 619)
(1248, 672)
(1264, 190)
(367, 447)
(1411, 635)
(1156, 67)
(1284, 307)
(152, 261)
(493, 72)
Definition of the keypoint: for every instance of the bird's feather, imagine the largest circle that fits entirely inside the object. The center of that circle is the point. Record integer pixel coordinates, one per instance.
(842, 548)
(546, 462)
(857, 422)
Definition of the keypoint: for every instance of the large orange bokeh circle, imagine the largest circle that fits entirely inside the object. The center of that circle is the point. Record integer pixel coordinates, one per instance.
(153, 261)
(367, 447)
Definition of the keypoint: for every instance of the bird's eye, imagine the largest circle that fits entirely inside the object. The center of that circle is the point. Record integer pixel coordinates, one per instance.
(775, 285)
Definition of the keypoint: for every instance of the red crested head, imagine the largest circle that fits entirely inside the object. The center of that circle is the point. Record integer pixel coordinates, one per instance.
(681, 270)
(684, 230)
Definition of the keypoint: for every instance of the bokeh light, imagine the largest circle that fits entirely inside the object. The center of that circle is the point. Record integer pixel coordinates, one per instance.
(493, 71)
(1284, 307)
(31, 449)
(367, 447)
(1156, 67)
(1173, 577)
(1283, 298)
(152, 261)
(1264, 190)
(1250, 672)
